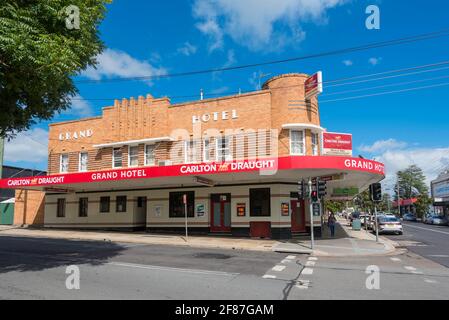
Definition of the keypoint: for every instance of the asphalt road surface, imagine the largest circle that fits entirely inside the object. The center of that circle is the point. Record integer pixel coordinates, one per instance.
(429, 241)
(32, 268)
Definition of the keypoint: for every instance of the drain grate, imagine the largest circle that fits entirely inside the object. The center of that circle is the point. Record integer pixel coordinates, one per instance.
(207, 255)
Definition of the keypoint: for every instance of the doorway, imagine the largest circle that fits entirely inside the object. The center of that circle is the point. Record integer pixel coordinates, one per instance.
(220, 212)
(140, 215)
(298, 214)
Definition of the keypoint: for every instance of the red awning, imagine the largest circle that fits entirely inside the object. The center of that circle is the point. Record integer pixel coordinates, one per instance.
(405, 202)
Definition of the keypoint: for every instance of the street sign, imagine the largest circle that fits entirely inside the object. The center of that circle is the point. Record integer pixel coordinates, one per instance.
(316, 209)
(314, 85)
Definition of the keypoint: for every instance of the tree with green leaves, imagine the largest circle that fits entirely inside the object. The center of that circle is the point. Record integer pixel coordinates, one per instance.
(43, 45)
(411, 183)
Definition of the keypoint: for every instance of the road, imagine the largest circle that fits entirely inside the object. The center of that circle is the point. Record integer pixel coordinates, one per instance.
(429, 241)
(32, 268)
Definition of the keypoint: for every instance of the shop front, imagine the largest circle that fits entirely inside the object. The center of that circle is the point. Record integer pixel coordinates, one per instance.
(229, 165)
(440, 194)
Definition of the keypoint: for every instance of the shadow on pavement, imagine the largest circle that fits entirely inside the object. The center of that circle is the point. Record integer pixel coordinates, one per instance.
(23, 254)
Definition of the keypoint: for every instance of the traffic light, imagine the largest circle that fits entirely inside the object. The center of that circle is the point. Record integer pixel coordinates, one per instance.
(314, 196)
(301, 190)
(321, 188)
(376, 192)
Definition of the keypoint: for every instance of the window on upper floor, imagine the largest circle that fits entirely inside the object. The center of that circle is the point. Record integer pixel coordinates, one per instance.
(133, 156)
(150, 158)
(315, 144)
(224, 149)
(83, 161)
(64, 163)
(207, 150)
(190, 153)
(117, 158)
(297, 144)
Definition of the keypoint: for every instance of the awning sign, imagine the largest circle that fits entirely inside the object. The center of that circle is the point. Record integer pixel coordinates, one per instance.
(337, 144)
(314, 85)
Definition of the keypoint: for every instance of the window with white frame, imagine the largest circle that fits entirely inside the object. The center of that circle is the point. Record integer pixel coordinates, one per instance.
(207, 150)
(297, 142)
(315, 143)
(150, 159)
(190, 151)
(224, 149)
(64, 163)
(133, 156)
(83, 162)
(117, 158)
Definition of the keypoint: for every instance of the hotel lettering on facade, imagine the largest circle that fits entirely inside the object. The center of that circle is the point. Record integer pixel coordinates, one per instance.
(234, 162)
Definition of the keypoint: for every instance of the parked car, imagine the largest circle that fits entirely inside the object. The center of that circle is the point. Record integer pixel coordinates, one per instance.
(389, 224)
(409, 217)
(436, 220)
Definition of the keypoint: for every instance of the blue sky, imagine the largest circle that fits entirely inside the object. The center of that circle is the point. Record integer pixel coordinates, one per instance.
(151, 37)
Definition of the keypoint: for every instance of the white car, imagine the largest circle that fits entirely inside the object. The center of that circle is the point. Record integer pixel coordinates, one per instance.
(389, 224)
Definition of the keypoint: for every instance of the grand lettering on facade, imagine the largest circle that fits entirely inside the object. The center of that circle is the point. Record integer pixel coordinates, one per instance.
(76, 135)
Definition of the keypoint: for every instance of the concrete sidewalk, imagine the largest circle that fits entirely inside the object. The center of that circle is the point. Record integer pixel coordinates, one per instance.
(346, 243)
(142, 238)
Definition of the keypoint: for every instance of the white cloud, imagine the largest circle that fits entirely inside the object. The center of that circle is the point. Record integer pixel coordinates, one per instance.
(383, 145)
(431, 161)
(29, 146)
(251, 23)
(80, 107)
(374, 61)
(115, 63)
(348, 63)
(187, 49)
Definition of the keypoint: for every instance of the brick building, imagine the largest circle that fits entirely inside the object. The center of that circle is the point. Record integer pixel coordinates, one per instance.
(234, 162)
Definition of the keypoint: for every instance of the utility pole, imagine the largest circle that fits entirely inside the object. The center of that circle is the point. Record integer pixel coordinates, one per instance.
(184, 199)
(312, 237)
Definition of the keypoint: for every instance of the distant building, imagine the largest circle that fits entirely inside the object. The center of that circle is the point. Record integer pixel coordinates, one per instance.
(440, 193)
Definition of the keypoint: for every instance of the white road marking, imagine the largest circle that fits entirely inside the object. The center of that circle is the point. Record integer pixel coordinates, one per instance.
(312, 258)
(307, 271)
(417, 272)
(269, 276)
(287, 261)
(438, 256)
(395, 259)
(278, 268)
(151, 267)
(310, 263)
(409, 268)
(290, 257)
(430, 281)
(427, 229)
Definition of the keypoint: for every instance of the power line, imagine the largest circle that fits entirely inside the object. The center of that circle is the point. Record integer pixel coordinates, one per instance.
(431, 66)
(394, 42)
(387, 92)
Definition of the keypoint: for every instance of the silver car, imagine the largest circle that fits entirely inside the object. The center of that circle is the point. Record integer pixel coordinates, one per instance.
(389, 224)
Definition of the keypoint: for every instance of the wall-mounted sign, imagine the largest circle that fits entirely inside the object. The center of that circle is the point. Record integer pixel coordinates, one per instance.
(345, 192)
(314, 85)
(337, 144)
(157, 211)
(76, 135)
(285, 209)
(241, 209)
(200, 211)
(204, 181)
(441, 189)
(215, 116)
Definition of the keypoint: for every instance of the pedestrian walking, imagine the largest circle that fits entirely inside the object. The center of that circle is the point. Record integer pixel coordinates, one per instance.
(331, 223)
